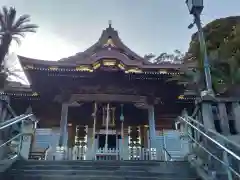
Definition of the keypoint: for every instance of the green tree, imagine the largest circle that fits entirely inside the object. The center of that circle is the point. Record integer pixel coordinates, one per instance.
(175, 57)
(223, 44)
(12, 28)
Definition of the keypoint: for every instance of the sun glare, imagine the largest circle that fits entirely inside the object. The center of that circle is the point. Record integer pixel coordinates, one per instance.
(45, 46)
(41, 45)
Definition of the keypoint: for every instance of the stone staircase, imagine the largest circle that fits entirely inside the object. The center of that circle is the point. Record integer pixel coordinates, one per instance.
(99, 170)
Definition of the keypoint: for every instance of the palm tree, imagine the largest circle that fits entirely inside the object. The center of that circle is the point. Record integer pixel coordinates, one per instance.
(12, 28)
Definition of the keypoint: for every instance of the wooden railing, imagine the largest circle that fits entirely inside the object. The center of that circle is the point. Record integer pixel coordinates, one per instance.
(82, 153)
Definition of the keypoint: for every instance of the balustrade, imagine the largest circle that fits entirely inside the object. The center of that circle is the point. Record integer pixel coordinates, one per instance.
(135, 153)
(212, 152)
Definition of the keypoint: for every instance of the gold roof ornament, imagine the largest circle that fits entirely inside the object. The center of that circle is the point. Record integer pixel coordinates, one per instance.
(109, 40)
(109, 43)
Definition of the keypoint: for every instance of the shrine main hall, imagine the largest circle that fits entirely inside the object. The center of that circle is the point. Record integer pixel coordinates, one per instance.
(105, 97)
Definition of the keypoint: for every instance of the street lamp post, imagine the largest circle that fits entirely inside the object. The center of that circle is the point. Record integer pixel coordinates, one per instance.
(195, 8)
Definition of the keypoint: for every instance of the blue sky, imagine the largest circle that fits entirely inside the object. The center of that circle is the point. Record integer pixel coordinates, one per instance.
(146, 26)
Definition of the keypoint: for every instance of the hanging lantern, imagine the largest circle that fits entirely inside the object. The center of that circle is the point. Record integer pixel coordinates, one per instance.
(121, 116)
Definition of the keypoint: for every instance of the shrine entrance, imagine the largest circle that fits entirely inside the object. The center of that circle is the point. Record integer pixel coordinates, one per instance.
(107, 145)
(112, 144)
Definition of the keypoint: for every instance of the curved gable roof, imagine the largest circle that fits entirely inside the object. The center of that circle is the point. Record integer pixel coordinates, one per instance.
(107, 34)
(109, 46)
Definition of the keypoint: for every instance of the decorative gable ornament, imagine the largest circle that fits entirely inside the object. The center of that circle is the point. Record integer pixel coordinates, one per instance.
(109, 43)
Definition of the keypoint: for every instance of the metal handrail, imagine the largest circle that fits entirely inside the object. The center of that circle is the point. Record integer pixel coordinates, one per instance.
(10, 120)
(14, 121)
(169, 155)
(214, 132)
(15, 137)
(213, 140)
(215, 157)
(226, 150)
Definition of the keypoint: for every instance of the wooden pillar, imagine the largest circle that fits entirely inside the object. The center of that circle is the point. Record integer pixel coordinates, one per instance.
(71, 134)
(63, 126)
(94, 130)
(116, 139)
(107, 123)
(145, 135)
(152, 129)
(122, 128)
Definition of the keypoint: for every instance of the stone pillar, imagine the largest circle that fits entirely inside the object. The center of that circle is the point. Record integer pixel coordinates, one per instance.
(207, 115)
(223, 117)
(208, 121)
(27, 128)
(125, 147)
(236, 115)
(94, 129)
(152, 130)
(4, 134)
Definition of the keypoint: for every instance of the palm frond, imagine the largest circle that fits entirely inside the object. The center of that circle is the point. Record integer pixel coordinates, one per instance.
(17, 33)
(10, 24)
(27, 28)
(11, 17)
(2, 22)
(17, 39)
(21, 20)
(5, 16)
(11, 28)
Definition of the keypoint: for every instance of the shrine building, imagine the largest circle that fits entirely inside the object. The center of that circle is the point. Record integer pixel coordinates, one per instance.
(105, 97)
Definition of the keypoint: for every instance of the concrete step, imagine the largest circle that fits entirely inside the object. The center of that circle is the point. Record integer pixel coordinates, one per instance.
(126, 169)
(91, 177)
(120, 173)
(103, 163)
(87, 170)
(114, 162)
(164, 167)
